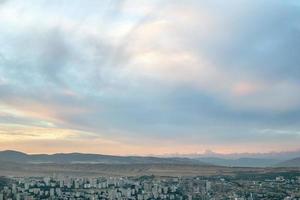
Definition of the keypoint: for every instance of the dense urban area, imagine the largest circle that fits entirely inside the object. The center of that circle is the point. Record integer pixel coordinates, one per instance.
(239, 187)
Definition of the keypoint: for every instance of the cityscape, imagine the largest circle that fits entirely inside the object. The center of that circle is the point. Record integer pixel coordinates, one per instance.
(285, 187)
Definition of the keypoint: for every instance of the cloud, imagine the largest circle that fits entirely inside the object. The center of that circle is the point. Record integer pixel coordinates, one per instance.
(143, 70)
(280, 132)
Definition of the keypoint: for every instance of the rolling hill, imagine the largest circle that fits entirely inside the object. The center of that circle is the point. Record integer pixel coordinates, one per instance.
(19, 157)
(84, 158)
(290, 163)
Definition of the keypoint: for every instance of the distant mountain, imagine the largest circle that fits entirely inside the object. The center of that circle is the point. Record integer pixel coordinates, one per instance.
(67, 158)
(290, 163)
(240, 162)
(10, 155)
(270, 155)
(15, 156)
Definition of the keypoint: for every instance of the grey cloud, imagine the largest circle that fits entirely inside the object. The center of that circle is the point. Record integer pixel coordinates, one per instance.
(55, 54)
(45, 63)
(263, 42)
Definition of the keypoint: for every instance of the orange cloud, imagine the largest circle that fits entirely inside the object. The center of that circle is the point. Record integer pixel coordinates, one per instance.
(38, 111)
(32, 139)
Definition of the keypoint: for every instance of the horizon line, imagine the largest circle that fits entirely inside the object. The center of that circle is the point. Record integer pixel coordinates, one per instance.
(208, 153)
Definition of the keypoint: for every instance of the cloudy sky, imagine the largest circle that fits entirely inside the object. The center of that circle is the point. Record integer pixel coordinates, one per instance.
(149, 77)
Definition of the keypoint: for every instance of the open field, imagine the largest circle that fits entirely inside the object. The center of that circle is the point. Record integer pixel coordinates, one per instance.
(17, 169)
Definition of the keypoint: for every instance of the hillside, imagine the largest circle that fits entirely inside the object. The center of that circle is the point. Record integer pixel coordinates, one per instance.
(19, 157)
(290, 163)
(92, 170)
(240, 162)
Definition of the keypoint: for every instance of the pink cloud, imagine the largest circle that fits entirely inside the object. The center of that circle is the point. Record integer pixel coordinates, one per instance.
(245, 88)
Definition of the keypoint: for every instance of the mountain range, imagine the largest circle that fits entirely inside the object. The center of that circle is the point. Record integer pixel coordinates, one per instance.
(290, 163)
(73, 158)
(281, 155)
(15, 156)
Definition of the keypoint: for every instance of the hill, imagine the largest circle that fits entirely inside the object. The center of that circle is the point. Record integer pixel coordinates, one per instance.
(19, 157)
(290, 163)
(115, 170)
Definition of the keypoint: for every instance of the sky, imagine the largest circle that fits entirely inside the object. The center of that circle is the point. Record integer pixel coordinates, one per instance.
(137, 77)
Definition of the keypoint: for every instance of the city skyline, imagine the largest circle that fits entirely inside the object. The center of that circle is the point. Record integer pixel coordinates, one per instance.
(149, 77)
